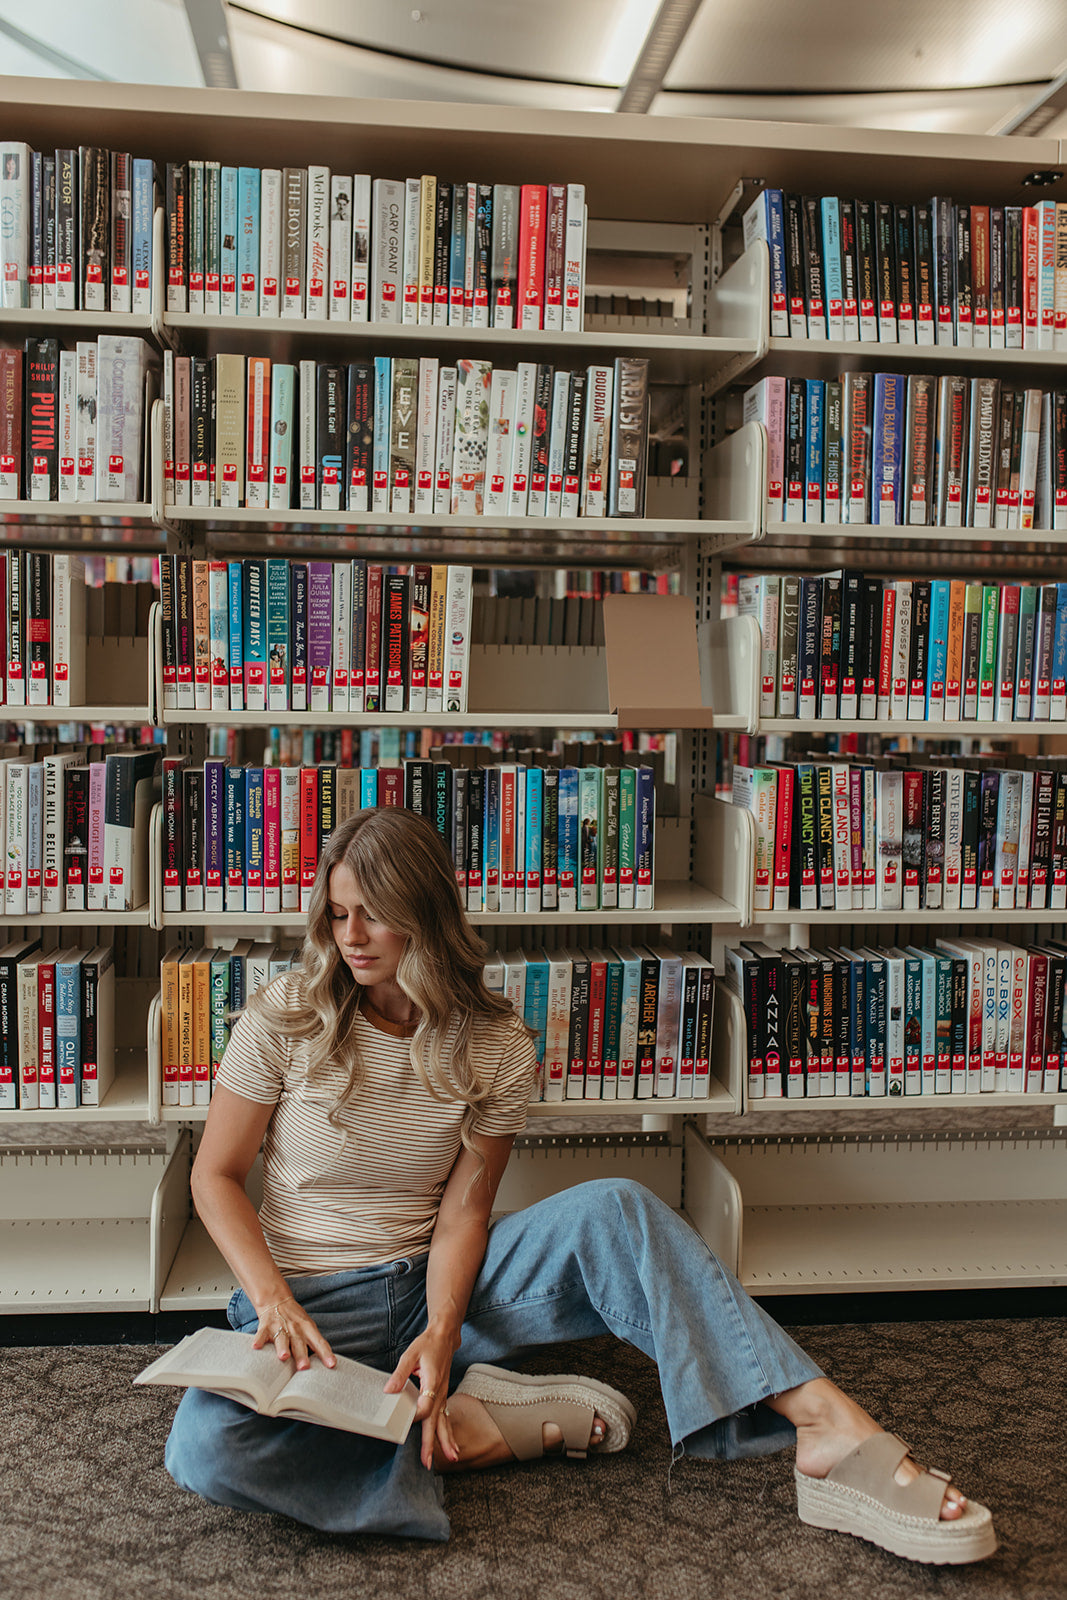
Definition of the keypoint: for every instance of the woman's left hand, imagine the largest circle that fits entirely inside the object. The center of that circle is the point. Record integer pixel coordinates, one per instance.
(428, 1359)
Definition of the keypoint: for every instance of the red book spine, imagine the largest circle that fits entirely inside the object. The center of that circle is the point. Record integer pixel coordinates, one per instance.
(533, 207)
(390, 786)
(309, 830)
(1031, 270)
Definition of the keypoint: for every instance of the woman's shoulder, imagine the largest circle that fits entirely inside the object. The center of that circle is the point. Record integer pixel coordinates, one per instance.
(499, 1036)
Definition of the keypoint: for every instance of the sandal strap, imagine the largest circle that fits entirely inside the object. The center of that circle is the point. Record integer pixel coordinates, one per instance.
(870, 1470)
(520, 1425)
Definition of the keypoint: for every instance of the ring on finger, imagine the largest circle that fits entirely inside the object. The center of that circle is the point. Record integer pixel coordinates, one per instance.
(430, 1394)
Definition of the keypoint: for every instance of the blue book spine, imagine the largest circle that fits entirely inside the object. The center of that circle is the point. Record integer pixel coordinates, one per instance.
(368, 786)
(937, 650)
(228, 242)
(253, 838)
(248, 242)
(383, 410)
(816, 400)
(235, 838)
(280, 462)
(277, 633)
(366, 747)
(141, 225)
(68, 1033)
(830, 212)
(491, 840)
(237, 657)
(887, 444)
(567, 853)
(214, 834)
(535, 1003)
(457, 255)
(535, 794)
(767, 221)
(1059, 656)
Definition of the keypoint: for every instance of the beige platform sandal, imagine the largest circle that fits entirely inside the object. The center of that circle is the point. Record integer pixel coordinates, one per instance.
(520, 1403)
(861, 1496)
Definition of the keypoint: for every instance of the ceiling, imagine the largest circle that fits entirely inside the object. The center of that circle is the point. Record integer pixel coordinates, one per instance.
(964, 65)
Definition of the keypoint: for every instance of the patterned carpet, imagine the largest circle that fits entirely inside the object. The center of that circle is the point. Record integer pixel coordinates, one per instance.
(90, 1514)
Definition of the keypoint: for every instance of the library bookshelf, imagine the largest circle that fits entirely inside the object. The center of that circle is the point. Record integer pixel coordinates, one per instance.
(113, 1227)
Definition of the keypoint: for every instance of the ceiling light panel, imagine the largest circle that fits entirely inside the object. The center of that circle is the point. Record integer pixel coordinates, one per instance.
(808, 46)
(568, 41)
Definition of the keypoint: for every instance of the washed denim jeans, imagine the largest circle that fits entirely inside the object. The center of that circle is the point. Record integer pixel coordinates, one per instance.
(603, 1257)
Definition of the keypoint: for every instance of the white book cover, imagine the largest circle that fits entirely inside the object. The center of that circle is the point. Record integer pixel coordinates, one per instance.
(890, 801)
(68, 629)
(122, 361)
(471, 437)
(306, 435)
(597, 448)
(765, 403)
(387, 264)
(758, 597)
(426, 434)
(340, 307)
(501, 436)
(52, 895)
(668, 1023)
(270, 242)
(280, 464)
(1028, 459)
(14, 225)
(870, 843)
(1009, 809)
(953, 838)
(361, 240)
(29, 1033)
(1005, 973)
(574, 259)
(557, 1027)
(34, 837)
(525, 402)
(843, 899)
(458, 602)
(290, 829)
(95, 888)
(446, 423)
(258, 436)
(515, 980)
(341, 650)
(412, 217)
(557, 443)
(68, 425)
(15, 842)
(318, 245)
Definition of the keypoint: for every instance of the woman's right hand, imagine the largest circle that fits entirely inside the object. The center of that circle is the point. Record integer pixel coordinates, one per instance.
(287, 1326)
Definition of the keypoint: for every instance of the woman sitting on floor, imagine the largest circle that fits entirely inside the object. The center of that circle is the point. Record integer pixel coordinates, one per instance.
(386, 1085)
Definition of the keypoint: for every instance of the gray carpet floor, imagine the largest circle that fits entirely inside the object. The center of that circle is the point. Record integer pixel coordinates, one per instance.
(90, 1514)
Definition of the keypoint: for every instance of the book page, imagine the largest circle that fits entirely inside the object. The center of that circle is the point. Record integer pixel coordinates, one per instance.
(348, 1396)
(225, 1363)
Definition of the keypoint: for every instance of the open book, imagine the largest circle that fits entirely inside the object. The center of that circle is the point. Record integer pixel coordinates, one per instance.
(348, 1396)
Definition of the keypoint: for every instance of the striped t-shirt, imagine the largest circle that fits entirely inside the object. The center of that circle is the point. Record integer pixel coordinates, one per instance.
(330, 1204)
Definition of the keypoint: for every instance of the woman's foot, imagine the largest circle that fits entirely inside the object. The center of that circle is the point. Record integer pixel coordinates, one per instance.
(830, 1426)
(481, 1443)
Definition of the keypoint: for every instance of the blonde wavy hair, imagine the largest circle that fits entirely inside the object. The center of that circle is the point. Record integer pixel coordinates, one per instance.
(407, 881)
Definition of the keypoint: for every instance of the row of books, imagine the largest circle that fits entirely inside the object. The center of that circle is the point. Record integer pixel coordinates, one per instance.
(308, 242)
(899, 450)
(903, 834)
(57, 1026)
(76, 229)
(73, 830)
(960, 1016)
(406, 435)
(278, 635)
(43, 628)
(977, 276)
(523, 839)
(632, 1022)
(201, 990)
(389, 746)
(845, 645)
(72, 422)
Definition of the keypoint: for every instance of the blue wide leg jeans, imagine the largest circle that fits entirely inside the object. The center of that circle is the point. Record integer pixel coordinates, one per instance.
(602, 1257)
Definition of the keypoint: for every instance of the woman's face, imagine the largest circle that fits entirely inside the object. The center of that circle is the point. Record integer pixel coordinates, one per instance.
(369, 949)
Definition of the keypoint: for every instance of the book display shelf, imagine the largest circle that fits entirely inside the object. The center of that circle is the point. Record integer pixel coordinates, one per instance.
(113, 1225)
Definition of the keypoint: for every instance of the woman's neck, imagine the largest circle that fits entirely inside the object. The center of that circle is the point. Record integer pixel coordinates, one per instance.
(388, 1000)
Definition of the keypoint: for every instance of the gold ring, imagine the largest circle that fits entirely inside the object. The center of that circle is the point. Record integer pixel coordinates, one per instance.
(431, 1394)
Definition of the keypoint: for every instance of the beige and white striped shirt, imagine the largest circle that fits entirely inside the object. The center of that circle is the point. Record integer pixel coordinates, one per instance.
(331, 1204)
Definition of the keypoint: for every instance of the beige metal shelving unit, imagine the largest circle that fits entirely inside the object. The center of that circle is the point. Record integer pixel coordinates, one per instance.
(651, 183)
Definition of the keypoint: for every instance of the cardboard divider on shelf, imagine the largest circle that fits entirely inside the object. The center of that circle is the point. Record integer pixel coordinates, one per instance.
(724, 845)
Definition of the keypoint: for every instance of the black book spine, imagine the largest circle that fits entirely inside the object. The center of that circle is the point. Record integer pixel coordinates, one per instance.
(871, 641)
(38, 665)
(944, 245)
(572, 461)
(359, 435)
(830, 659)
(330, 433)
(925, 306)
(964, 278)
(816, 294)
(849, 271)
(177, 235)
(41, 413)
(851, 643)
(646, 1017)
(66, 229)
(960, 1014)
(996, 276)
(972, 792)
(48, 225)
(795, 277)
(36, 256)
(1013, 273)
(796, 396)
(75, 836)
(173, 825)
(94, 227)
(866, 269)
(905, 263)
(1058, 874)
(885, 257)
(578, 1037)
(987, 836)
(1041, 839)
(457, 845)
(809, 649)
(937, 779)
(442, 247)
(804, 859)
(475, 837)
(193, 827)
(442, 800)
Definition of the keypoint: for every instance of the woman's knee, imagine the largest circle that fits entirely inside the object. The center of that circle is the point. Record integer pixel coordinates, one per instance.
(197, 1450)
